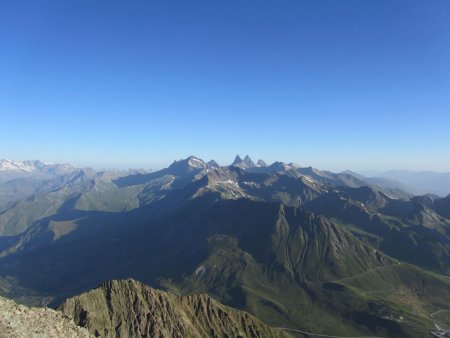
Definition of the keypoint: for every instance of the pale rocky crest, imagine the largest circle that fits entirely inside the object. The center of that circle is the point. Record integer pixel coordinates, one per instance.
(19, 321)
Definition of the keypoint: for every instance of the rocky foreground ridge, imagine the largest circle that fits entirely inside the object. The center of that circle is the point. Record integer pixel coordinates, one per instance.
(19, 321)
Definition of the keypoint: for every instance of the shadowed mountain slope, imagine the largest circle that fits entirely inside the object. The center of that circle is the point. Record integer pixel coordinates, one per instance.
(414, 230)
(289, 245)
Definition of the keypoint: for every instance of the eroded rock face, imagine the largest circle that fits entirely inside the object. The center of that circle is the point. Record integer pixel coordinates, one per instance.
(128, 308)
(19, 321)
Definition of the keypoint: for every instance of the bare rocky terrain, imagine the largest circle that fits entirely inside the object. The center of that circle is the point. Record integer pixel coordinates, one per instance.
(19, 321)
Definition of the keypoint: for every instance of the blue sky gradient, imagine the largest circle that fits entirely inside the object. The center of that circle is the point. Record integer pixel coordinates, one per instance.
(345, 84)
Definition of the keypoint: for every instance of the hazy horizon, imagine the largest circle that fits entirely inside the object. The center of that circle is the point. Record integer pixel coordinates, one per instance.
(227, 161)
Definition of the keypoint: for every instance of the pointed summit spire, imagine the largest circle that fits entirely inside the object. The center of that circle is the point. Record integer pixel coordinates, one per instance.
(248, 162)
(237, 160)
(245, 163)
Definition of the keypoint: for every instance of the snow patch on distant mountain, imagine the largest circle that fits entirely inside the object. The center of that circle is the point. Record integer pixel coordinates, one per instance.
(32, 166)
(196, 162)
(9, 165)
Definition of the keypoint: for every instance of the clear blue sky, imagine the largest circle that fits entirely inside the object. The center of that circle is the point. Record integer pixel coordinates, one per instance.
(357, 84)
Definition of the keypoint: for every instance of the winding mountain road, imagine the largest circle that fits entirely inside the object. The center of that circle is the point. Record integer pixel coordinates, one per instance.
(323, 335)
(366, 272)
(437, 312)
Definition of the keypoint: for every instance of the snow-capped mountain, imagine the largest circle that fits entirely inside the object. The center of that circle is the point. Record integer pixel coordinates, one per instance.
(26, 166)
(33, 167)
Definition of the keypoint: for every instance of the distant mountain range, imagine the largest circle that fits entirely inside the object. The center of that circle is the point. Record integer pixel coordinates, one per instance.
(289, 245)
(39, 189)
(419, 182)
(17, 168)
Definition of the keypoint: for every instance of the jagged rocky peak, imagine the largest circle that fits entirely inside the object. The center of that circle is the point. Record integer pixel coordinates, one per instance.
(245, 163)
(248, 161)
(261, 163)
(213, 164)
(237, 160)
